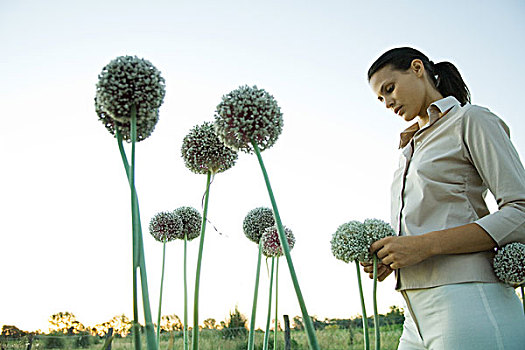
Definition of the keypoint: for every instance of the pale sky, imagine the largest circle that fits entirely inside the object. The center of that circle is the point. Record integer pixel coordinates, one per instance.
(65, 228)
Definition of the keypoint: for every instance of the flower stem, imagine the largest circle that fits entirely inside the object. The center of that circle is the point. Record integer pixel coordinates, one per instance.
(138, 248)
(363, 308)
(254, 305)
(198, 274)
(376, 315)
(523, 296)
(161, 288)
(129, 171)
(185, 332)
(150, 330)
(269, 316)
(312, 339)
(276, 303)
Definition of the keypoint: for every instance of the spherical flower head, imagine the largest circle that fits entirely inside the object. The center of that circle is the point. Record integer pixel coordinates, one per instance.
(350, 243)
(256, 222)
(129, 81)
(202, 151)
(165, 226)
(271, 245)
(509, 263)
(248, 113)
(191, 222)
(375, 230)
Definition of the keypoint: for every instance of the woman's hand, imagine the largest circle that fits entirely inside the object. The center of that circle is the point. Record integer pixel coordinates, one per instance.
(396, 252)
(382, 270)
(401, 251)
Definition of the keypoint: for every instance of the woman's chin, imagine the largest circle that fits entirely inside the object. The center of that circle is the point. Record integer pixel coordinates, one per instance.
(408, 117)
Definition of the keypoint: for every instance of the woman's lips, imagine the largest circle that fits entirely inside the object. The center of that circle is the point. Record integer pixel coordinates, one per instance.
(397, 110)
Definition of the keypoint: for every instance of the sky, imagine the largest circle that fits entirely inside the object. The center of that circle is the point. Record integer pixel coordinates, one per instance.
(65, 228)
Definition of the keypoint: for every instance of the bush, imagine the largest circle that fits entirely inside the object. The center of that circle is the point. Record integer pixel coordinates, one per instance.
(83, 340)
(236, 326)
(54, 341)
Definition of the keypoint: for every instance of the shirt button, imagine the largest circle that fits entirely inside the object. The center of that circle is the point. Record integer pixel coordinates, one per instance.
(418, 143)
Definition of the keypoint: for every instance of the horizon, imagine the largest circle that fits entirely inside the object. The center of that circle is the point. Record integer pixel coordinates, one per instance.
(102, 327)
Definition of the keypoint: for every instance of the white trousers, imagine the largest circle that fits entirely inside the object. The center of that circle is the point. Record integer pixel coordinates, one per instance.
(465, 316)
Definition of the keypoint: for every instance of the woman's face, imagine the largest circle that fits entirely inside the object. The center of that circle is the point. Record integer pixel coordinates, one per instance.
(405, 92)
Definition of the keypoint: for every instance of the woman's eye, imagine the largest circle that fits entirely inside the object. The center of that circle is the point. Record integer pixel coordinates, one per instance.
(390, 89)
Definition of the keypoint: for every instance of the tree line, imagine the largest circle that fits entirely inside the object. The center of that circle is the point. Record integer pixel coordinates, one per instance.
(66, 323)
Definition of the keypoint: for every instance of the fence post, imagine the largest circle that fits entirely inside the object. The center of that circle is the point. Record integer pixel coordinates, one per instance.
(287, 342)
(109, 334)
(29, 341)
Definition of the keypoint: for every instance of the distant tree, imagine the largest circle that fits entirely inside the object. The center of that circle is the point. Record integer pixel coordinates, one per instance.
(100, 329)
(210, 323)
(318, 324)
(121, 325)
(235, 326)
(170, 323)
(12, 332)
(65, 322)
(298, 323)
(341, 323)
(395, 316)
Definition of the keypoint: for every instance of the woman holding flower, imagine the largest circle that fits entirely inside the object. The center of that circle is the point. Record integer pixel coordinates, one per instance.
(450, 157)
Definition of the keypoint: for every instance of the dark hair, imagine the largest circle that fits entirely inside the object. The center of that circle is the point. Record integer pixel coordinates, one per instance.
(444, 75)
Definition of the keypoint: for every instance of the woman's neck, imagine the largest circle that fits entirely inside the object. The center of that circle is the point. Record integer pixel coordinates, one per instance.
(432, 97)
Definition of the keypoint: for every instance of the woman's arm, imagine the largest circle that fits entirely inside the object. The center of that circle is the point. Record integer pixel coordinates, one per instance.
(397, 252)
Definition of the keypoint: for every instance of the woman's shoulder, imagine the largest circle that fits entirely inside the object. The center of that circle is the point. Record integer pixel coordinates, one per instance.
(479, 117)
(470, 110)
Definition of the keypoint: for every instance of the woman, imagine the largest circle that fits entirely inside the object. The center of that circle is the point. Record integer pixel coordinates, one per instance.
(451, 155)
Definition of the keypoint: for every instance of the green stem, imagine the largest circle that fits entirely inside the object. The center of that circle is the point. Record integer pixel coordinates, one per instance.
(138, 248)
(269, 316)
(312, 339)
(198, 274)
(130, 176)
(363, 308)
(185, 332)
(254, 304)
(523, 296)
(376, 315)
(276, 303)
(151, 340)
(161, 288)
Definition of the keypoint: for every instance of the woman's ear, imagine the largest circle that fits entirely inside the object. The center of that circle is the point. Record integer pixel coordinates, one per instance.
(417, 67)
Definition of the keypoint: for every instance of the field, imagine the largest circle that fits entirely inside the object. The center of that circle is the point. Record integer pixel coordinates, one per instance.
(330, 338)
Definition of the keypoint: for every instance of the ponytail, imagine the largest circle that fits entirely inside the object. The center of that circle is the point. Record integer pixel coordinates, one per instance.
(444, 75)
(449, 82)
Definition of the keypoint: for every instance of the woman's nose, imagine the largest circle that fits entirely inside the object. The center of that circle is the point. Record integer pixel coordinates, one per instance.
(389, 103)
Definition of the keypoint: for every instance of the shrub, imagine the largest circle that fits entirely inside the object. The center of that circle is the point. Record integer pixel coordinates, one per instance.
(83, 340)
(54, 341)
(236, 326)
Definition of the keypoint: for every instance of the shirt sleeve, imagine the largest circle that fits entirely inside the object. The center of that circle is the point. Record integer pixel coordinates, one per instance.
(491, 152)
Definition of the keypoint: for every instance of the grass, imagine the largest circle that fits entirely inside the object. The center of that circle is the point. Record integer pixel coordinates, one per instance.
(330, 338)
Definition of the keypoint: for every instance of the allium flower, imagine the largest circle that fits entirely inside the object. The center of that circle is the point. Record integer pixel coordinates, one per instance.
(509, 263)
(124, 82)
(245, 114)
(203, 151)
(350, 243)
(271, 245)
(375, 230)
(191, 221)
(165, 225)
(256, 222)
